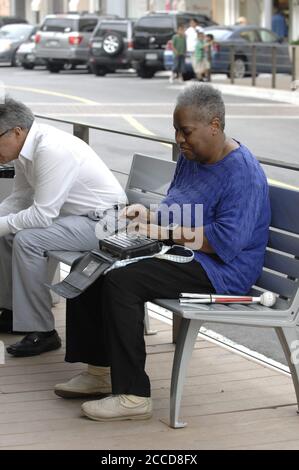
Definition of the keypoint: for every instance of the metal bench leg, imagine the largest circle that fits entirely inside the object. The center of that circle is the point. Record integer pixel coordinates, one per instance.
(54, 277)
(147, 329)
(189, 330)
(289, 340)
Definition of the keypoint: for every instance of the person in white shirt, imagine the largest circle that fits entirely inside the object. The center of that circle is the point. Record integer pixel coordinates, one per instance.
(59, 182)
(191, 36)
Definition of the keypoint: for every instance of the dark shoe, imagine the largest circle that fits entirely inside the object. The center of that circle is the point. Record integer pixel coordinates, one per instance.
(34, 344)
(5, 321)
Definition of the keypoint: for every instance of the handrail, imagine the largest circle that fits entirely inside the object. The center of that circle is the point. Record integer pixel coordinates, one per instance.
(81, 130)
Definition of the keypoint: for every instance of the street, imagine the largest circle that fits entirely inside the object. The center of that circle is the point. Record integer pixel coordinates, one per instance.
(125, 102)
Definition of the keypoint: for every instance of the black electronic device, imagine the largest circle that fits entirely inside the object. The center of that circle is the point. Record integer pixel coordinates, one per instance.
(124, 246)
(116, 247)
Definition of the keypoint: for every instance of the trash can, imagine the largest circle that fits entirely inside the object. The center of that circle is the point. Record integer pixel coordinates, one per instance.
(7, 172)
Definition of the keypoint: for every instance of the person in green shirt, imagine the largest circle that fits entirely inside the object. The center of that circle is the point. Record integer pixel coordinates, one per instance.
(200, 62)
(179, 47)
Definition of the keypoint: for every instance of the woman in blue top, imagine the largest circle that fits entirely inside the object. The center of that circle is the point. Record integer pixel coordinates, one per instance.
(229, 233)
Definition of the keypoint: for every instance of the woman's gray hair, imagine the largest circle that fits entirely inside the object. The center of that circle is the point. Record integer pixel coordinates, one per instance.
(14, 114)
(206, 101)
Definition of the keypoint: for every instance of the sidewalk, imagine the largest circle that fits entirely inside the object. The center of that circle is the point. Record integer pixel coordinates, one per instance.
(263, 89)
(229, 402)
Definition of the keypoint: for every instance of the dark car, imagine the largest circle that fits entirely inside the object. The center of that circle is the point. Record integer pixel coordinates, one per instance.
(242, 38)
(11, 20)
(109, 46)
(11, 37)
(151, 34)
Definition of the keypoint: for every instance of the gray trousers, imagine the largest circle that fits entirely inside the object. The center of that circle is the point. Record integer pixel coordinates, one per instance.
(24, 268)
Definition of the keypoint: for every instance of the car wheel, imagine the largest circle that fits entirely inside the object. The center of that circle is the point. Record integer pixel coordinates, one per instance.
(100, 71)
(28, 66)
(144, 72)
(240, 68)
(68, 66)
(112, 44)
(54, 68)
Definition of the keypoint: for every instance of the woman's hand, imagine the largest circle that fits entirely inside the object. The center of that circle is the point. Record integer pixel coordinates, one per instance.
(153, 231)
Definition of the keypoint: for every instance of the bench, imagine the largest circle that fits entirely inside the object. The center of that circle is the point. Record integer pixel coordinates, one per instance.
(147, 183)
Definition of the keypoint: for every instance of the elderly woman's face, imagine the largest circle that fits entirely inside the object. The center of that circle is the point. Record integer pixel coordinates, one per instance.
(194, 137)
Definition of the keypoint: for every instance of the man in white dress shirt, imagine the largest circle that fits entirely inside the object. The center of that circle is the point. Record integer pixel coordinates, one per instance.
(59, 181)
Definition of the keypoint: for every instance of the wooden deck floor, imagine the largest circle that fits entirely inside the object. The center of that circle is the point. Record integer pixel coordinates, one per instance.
(229, 403)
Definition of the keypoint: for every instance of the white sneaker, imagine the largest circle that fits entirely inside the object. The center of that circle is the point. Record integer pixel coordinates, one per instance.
(171, 79)
(84, 385)
(118, 408)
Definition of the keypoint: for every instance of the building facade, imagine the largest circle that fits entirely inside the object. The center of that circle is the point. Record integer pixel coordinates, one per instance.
(223, 11)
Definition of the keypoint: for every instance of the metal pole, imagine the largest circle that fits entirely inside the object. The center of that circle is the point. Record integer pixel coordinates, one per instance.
(81, 131)
(232, 64)
(294, 64)
(175, 152)
(274, 61)
(253, 66)
(210, 62)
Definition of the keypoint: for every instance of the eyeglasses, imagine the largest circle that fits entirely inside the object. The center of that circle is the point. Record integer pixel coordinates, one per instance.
(6, 132)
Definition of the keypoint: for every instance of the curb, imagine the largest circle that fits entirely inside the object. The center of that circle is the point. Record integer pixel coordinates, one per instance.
(284, 96)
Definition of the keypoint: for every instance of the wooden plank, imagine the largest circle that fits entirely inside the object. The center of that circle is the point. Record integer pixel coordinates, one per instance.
(220, 387)
(98, 436)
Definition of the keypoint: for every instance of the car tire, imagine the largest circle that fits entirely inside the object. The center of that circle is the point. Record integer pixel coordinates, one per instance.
(100, 71)
(54, 68)
(144, 72)
(112, 44)
(28, 66)
(240, 68)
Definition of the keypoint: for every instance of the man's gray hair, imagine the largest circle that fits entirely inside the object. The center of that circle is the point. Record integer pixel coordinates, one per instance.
(206, 101)
(14, 114)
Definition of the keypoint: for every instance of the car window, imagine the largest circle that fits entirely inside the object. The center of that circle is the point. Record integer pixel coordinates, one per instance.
(13, 32)
(154, 23)
(268, 36)
(219, 34)
(59, 25)
(249, 35)
(87, 25)
(104, 28)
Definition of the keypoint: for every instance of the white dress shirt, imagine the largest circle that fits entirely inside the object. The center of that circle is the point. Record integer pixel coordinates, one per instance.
(191, 38)
(56, 174)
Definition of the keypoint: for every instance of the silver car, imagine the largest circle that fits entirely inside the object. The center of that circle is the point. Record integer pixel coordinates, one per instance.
(11, 37)
(63, 40)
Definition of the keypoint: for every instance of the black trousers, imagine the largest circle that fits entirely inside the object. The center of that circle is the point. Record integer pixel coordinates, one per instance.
(104, 325)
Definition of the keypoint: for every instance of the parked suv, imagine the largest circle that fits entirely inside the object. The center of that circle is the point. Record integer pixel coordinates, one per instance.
(109, 46)
(151, 34)
(63, 40)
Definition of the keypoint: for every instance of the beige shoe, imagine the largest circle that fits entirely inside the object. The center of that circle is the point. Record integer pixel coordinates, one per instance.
(84, 385)
(118, 408)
